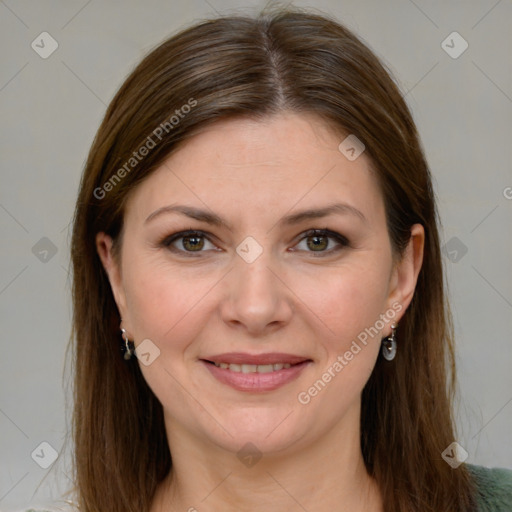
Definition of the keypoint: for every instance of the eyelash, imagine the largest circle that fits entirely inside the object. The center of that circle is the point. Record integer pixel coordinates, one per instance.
(340, 239)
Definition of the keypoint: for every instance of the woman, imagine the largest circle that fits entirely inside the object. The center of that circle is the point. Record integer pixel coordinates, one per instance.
(259, 314)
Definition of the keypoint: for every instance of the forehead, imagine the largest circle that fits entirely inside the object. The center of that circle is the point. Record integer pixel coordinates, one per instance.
(289, 161)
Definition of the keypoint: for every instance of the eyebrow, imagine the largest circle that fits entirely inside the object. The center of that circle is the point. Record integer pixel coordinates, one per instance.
(295, 218)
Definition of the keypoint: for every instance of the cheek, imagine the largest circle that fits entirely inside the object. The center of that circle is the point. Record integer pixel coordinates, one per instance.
(349, 337)
(345, 301)
(161, 303)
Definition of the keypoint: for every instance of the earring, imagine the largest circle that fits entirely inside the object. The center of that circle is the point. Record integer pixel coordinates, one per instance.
(389, 345)
(129, 346)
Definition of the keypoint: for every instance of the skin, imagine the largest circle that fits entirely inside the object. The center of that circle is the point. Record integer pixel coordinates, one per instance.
(290, 299)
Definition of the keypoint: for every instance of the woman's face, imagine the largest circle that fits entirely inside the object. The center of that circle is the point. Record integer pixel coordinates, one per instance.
(297, 316)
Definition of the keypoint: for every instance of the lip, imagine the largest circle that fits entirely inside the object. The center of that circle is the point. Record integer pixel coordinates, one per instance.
(256, 382)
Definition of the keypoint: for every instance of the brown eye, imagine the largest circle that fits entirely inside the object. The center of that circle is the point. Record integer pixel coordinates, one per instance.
(318, 240)
(191, 242)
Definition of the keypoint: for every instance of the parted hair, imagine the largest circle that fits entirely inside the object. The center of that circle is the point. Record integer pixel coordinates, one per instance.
(242, 66)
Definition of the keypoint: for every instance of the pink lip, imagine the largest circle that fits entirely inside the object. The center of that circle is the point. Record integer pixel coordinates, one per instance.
(256, 382)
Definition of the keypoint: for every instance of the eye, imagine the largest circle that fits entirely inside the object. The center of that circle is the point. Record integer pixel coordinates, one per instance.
(191, 241)
(318, 241)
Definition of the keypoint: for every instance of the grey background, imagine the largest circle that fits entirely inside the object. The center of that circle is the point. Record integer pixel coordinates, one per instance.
(51, 109)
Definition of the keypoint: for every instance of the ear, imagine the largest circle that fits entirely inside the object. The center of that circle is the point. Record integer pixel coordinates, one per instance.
(405, 272)
(113, 270)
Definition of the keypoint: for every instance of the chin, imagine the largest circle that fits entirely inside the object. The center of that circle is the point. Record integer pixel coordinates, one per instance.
(269, 430)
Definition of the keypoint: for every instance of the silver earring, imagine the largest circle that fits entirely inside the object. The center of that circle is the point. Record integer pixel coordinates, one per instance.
(129, 346)
(389, 345)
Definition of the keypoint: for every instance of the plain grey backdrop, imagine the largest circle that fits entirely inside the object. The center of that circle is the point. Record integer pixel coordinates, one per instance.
(52, 104)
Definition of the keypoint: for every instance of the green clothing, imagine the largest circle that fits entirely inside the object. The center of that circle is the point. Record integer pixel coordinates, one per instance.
(494, 488)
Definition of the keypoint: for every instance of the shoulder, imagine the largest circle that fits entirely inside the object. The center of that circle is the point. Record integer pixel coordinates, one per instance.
(494, 488)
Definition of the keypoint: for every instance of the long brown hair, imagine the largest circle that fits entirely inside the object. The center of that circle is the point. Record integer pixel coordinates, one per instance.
(242, 66)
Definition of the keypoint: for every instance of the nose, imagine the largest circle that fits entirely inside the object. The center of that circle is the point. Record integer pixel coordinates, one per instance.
(257, 298)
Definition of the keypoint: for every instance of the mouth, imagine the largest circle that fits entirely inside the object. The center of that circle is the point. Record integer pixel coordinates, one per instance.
(265, 372)
(253, 368)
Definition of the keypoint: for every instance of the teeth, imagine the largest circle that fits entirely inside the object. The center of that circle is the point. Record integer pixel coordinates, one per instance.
(249, 368)
(266, 368)
(253, 368)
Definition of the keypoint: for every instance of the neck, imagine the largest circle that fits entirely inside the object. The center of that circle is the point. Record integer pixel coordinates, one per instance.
(328, 475)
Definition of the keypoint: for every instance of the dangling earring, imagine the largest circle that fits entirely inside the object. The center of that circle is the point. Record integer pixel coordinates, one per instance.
(389, 345)
(129, 346)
